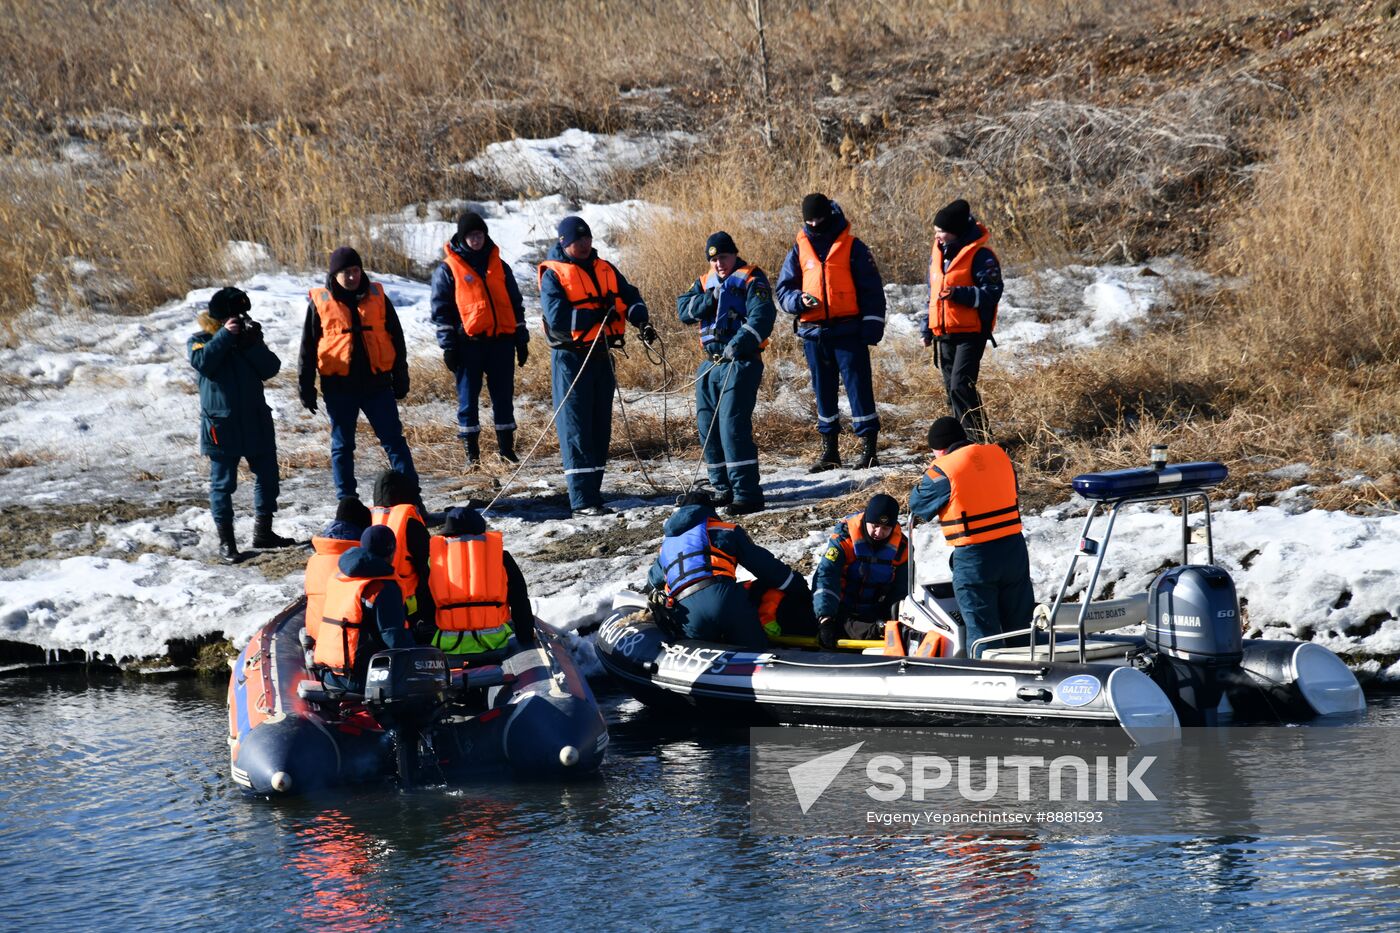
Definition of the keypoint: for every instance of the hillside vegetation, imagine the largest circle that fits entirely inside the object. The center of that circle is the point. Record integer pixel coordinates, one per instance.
(1257, 137)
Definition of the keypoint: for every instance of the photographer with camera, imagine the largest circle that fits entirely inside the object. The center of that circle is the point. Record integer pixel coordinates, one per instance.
(233, 362)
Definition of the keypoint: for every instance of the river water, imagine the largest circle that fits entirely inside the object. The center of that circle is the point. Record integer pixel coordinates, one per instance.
(116, 811)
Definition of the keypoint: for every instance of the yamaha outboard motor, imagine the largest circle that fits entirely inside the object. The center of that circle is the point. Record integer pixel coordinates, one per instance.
(404, 688)
(1193, 623)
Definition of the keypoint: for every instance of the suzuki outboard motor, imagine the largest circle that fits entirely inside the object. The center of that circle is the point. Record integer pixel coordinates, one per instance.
(404, 687)
(1193, 623)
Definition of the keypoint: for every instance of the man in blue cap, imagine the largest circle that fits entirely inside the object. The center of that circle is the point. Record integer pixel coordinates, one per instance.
(733, 304)
(586, 304)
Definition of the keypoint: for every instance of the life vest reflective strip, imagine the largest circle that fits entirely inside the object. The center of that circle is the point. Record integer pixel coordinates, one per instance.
(828, 280)
(732, 310)
(397, 518)
(933, 645)
(983, 504)
(483, 306)
(949, 317)
(689, 557)
(345, 611)
(468, 582)
(595, 304)
(870, 565)
(319, 569)
(338, 326)
(894, 641)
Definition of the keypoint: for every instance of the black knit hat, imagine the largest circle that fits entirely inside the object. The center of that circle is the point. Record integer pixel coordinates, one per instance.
(573, 228)
(393, 488)
(718, 243)
(228, 302)
(881, 510)
(463, 520)
(945, 432)
(816, 206)
(352, 511)
(954, 217)
(343, 258)
(470, 222)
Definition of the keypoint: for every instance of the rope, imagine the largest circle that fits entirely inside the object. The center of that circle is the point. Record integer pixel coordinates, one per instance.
(553, 418)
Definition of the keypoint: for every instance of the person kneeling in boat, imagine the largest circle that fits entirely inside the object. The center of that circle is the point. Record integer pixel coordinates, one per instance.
(479, 590)
(971, 490)
(343, 533)
(862, 574)
(363, 612)
(699, 555)
(397, 505)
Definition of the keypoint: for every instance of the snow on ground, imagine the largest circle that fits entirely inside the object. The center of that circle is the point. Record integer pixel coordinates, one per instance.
(575, 161)
(1048, 311)
(106, 406)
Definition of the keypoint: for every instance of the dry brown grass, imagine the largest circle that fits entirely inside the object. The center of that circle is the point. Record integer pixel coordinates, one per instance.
(143, 136)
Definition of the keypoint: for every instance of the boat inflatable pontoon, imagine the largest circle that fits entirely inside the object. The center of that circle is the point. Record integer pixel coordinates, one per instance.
(1182, 662)
(532, 715)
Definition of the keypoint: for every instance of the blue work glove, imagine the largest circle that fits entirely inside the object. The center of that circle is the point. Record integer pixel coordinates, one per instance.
(730, 354)
(871, 332)
(637, 315)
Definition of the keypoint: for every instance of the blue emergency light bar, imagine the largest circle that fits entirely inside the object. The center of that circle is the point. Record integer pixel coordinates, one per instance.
(1146, 481)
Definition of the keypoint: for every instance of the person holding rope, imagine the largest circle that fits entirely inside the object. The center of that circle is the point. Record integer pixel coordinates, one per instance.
(830, 284)
(696, 573)
(585, 302)
(733, 304)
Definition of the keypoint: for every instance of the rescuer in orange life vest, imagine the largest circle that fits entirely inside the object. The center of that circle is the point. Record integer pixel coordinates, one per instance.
(363, 611)
(965, 285)
(396, 506)
(479, 590)
(862, 575)
(343, 533)
(971, 490)
(353, 340)
(586, 305)
(480, 320)
(829, 282)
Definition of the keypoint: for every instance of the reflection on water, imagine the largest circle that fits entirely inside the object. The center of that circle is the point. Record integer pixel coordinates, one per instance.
(116, 809)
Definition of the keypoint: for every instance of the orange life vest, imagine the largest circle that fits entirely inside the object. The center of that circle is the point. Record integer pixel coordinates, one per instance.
(983, 505)
(319, 570)
(468, 582)
(483, 305)
(397, 518)
(828, 280)
(592, 308)
(345, 611)
(949, 317)
(338, 325)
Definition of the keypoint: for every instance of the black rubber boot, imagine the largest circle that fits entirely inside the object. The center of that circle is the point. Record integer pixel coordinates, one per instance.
(505, 446)
(867, 454)
(472, 445)
(263, 536)
(228, 547)
(831, 454)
